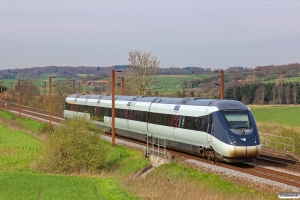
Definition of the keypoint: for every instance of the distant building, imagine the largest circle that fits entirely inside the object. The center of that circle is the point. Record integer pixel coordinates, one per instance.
(102, 81)
(90, 83)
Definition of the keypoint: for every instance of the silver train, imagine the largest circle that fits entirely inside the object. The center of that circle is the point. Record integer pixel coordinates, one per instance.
(223, 130)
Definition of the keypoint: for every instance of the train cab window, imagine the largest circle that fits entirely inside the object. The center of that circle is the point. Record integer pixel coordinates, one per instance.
(238, 119)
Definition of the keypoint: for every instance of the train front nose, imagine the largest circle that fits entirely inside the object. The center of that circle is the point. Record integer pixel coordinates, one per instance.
(233, 153)
(245, 151)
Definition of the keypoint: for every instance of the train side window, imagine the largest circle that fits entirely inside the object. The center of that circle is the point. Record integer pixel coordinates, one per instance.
(152, 118)
(73, 107)
(188, 122)
(158, 118)
(107, 112)
(163, 119)
(146, 116)
(168, 120)
(127, 114)
(68, 106)
(175, 121)
(81, 108)
(117, 113)
(120, 113)
(138, 116)
(97, 111)
(101, 114)
(133, 114)
(91, 110)
(183, 122)
(143, 116)
(202, 126)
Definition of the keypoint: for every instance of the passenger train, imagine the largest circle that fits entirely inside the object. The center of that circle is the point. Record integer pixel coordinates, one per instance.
(223, 130)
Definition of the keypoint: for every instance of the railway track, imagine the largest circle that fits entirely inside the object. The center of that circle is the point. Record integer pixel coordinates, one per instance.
(38, 114)
(273, 161)
(256, 169)
(281, 177)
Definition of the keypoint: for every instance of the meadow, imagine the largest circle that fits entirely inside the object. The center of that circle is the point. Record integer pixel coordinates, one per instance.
(286, 115)
(282, 121)
(172, 83)
(20, 178)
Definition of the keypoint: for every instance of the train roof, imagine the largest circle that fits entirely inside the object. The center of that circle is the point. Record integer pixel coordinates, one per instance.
(220, 104)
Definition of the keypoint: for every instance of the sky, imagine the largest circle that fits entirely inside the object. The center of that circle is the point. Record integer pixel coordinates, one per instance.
(210, 34)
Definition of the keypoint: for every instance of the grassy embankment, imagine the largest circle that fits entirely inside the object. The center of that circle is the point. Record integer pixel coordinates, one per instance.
(279, 120)
(19, 152)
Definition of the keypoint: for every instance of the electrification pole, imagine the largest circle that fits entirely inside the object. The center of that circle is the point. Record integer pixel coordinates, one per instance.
(123, 89)
(11, 92)
(73, 81)
(221, 84)
(50, 100)
(44, 95)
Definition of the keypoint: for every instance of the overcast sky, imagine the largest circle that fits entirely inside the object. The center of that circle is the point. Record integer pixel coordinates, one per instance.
(209, 34)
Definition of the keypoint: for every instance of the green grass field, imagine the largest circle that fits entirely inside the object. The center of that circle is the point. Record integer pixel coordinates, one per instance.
(172, 82)
(282, 121)
(282, 115)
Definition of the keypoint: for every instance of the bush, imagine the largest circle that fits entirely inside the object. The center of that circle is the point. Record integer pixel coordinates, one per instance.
(73, 148)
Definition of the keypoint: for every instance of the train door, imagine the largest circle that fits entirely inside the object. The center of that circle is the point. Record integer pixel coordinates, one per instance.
(175, 121)
(210, 128)
(127, 115)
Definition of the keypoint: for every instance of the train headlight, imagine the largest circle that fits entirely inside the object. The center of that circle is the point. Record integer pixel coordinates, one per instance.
(233, 140)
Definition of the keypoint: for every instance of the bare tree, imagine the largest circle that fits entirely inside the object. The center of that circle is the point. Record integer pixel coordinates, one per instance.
(62, 89)
(142, 75)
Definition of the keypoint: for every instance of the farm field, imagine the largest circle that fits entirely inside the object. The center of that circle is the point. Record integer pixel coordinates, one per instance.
(172, 82)
(287, 115)
(282, 121)
(19, 152)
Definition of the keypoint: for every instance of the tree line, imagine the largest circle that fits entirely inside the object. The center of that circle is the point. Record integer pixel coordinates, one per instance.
(270, 93)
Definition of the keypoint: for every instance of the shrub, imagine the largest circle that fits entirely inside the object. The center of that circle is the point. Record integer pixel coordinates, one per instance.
(74, 147)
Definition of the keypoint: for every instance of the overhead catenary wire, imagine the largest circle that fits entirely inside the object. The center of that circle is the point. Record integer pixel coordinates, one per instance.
(206, 78)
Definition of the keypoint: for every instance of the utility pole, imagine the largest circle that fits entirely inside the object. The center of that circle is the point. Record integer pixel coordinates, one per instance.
(221, 84)
(25, 92)
(73, 81)
(50, 100)
(11, 92)
(123, 85)
(113, 133)
(44, 95)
